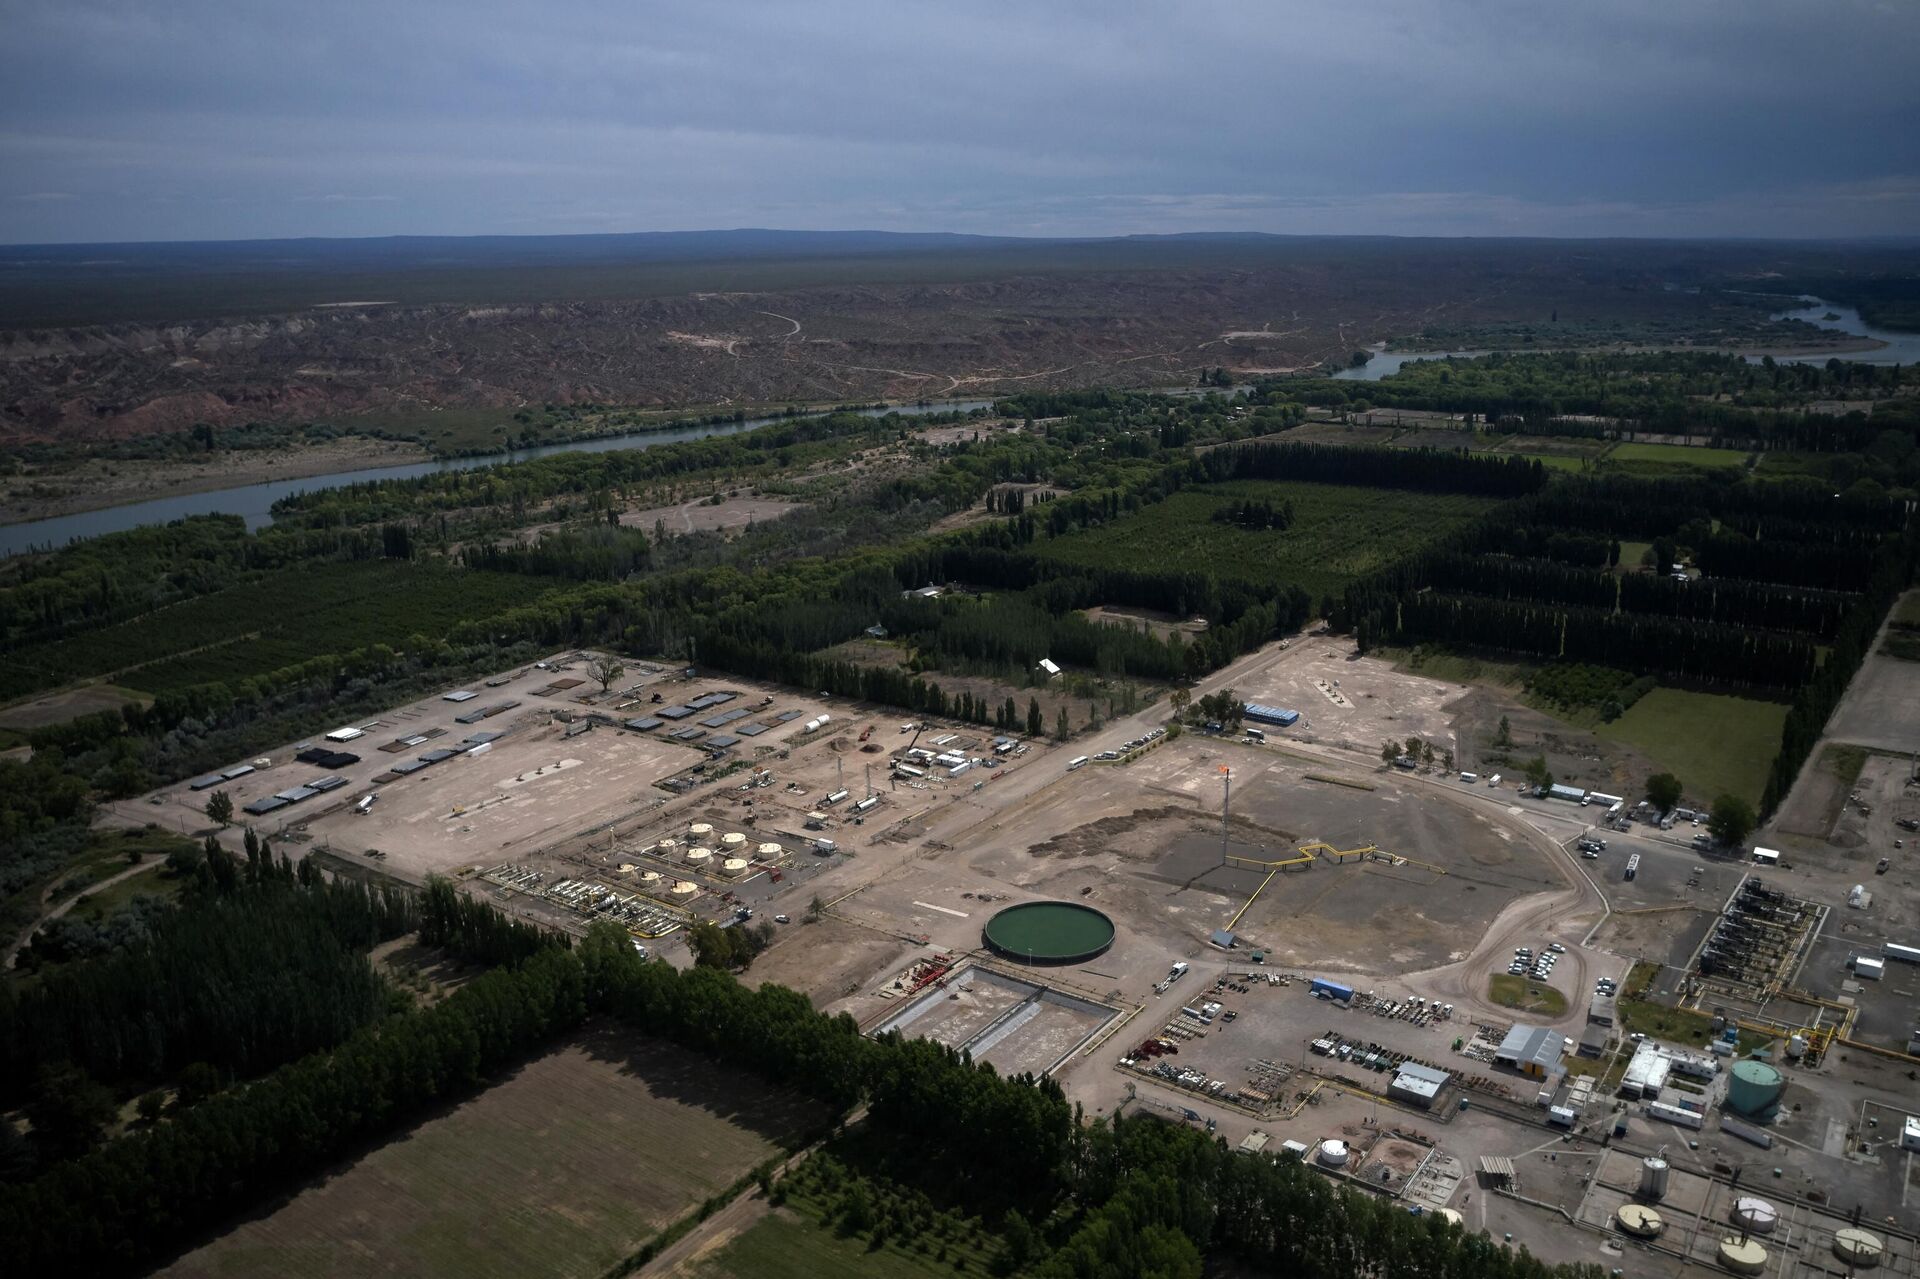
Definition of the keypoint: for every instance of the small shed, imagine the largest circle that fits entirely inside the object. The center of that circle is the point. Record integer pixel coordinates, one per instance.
(1224, 939)
(1049, 667)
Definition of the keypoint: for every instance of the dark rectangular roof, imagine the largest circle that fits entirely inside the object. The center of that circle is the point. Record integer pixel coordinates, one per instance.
(434, 757)
(687, 734)
(722, 741)
(710, 699)
(320, 785)
(408, 766)
(750, 730)
(674, 712)
(260, 807)
(784, 716)
(645, 723)
(202, 783)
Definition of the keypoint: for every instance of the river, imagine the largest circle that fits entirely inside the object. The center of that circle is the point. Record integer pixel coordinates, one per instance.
(1898, 348)
(254, 502)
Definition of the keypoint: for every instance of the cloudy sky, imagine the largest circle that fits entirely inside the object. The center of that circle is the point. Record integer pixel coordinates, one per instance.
(196, 119)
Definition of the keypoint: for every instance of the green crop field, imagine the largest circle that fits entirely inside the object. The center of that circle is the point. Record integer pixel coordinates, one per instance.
(1655, 459)
(1713, 743)
(1339, 533)
(783, 1243)
(563, 1169)
(262, 625)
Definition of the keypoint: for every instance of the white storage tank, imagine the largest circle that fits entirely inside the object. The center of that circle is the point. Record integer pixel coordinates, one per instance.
(1742, 1256)
(734, 867)
(769, 851)
(1332, 1153)
(733, 840)
(1639, 1221)
(1755, 1215)
(701, 832)
(666, 847)
(699, 858)
(651, 878)
(1859, 1249)
(1451, 1217)
(685, 888)
(1653, 1179)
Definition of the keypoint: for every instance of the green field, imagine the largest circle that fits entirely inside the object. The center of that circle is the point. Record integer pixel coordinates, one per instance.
(1713, 743)
(1339, 533)
(1785, 465)
(1654, 459)
(1558, 461)
(260, 626)
(563, 1169)
(783, 1243)
(1526, 995)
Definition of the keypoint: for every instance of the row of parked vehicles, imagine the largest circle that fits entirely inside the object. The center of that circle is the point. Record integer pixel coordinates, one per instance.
(1541, 966)
(1151, 736)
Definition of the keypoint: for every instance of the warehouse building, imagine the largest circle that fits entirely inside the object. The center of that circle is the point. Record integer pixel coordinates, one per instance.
(1417, 1085)
(1534, 1051)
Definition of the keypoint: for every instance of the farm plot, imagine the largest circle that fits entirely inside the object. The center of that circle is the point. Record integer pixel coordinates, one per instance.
(562, 1169)
(1660, 459)
(1338, 533)
(260, 626)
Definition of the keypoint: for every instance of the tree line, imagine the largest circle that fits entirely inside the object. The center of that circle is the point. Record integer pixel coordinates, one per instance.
(1144, 1191)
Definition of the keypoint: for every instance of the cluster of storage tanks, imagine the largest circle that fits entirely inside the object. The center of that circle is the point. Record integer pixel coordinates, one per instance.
(725, 856)
(1751, 1215)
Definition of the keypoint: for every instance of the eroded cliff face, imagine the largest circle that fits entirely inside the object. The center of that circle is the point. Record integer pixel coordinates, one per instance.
(818, 344)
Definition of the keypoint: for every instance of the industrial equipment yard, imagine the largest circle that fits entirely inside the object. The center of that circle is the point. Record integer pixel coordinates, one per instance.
(1272, 935)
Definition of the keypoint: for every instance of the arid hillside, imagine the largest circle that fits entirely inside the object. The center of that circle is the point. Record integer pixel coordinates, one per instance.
(1034, 328)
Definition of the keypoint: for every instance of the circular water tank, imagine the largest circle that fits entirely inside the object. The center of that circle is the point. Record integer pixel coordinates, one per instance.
(769, 850)
(1755, 1215)
(1333, 1153)
(1755, 1088)
(700, 830)
(699, 856)
(683, 888)
(734, 867)
(665, 847)
(1858, 1248)
(1451, 1217)
(1742, 1256)
(649, 876)
(1653, 1179)
(1639, 1221)
(733, 839)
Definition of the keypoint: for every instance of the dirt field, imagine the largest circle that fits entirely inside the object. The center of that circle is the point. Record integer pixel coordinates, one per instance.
(1158, 624)
(561, 1169)
(1882, 705)
(698, 515)
(1357, 701)
(58, 708)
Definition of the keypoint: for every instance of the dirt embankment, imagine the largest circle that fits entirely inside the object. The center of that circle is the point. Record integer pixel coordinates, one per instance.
(95, 484)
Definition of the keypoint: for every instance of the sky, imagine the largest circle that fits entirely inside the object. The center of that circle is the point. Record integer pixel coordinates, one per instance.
(241, 119)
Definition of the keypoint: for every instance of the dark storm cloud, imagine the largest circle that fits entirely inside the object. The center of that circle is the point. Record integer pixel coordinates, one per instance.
(194, 119)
